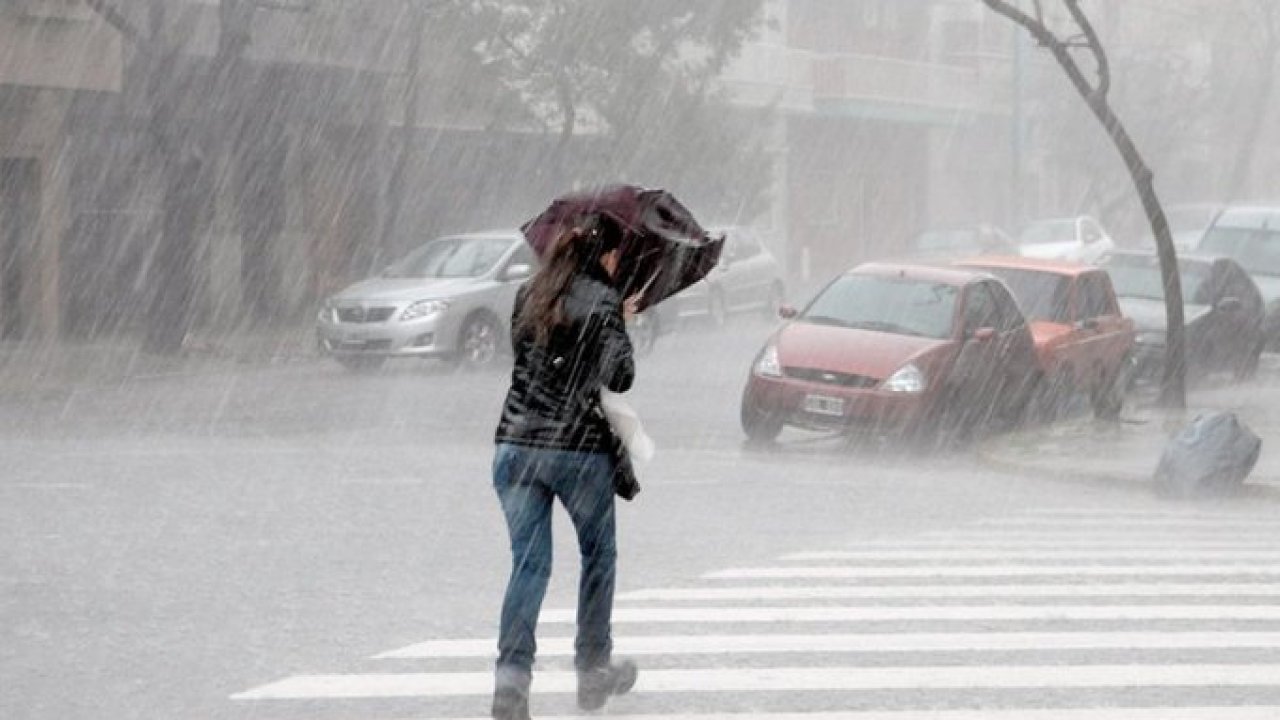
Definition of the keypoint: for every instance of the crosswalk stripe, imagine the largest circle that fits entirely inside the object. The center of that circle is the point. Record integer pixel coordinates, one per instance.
(1129, 522)
(871, 571)
(987, 542)
(391, 685)
(1040, 554)
(1175, 514)
(1232, 712)
(952, 613)
(1090, 590)
(858, 642)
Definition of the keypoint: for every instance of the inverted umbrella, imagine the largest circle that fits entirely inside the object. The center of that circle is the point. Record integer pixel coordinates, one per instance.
(664, 249)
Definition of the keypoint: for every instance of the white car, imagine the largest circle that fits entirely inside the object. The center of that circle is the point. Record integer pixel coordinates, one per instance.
(1075, 239)
(748, 278)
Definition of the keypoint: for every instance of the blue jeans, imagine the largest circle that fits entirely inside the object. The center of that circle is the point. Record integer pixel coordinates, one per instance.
(528, 480)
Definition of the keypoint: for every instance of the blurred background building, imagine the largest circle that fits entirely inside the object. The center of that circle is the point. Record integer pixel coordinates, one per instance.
(320, 138)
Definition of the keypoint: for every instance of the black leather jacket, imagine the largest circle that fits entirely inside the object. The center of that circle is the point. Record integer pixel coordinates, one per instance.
(554, 398)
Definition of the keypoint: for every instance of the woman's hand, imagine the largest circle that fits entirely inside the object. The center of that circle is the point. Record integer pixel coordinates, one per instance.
(630, 307)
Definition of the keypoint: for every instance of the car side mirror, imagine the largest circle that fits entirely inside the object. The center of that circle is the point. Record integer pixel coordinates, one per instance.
(787, 312)
(1089, 324)
(517, 271)
(1230, 305)
(984, 334)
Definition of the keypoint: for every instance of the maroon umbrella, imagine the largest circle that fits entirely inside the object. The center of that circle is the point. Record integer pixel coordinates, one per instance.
(664, 249)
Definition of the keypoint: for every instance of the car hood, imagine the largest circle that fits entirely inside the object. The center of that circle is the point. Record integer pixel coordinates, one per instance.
(846, 350)
(383, 289)
(1149, 315)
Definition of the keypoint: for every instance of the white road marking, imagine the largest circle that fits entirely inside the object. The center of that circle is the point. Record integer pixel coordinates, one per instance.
(1090, 542)
(387, 685)
(1090, 590)
(1040, 554)
(859, 642)
(1220, 524)
(950, 613)
(871, 571)
(1231, 712)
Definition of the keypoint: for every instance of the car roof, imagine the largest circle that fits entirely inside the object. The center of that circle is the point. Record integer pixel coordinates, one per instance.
(927, 273)
(1250, 216)
(1012, 262)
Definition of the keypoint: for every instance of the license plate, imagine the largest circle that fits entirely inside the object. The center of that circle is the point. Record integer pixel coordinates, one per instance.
(824, 405)
(356, 337)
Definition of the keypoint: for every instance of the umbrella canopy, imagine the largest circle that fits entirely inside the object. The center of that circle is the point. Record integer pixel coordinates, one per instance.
(664, 249)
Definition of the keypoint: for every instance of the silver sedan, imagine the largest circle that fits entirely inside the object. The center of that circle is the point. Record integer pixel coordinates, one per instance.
(449, 299)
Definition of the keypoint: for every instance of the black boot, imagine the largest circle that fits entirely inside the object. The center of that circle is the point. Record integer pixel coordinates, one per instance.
(596, 685)
(510, 703)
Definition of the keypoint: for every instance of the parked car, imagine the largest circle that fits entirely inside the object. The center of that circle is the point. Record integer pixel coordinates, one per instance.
(1222, 312)
(1251, 237)
(1077, 239)
(451, 299)
(956, 243)
(1188, 223)
(898, 349)
(748, 279)
(1082, 339)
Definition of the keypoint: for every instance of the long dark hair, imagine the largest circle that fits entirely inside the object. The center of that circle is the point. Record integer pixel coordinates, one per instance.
(577, 249)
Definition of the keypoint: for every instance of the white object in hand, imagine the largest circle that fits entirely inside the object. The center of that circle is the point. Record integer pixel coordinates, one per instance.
(627, 426)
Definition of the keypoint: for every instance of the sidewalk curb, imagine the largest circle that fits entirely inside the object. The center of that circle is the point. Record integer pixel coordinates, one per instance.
(990, 456)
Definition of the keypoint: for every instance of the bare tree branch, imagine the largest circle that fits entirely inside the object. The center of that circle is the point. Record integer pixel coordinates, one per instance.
(1095, 46)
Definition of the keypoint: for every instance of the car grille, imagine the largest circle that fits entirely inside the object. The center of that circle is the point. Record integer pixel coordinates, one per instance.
(828, 377)
(364, 315)
(365, 345)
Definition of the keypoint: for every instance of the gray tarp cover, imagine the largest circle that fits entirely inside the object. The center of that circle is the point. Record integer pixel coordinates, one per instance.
(1215, 451)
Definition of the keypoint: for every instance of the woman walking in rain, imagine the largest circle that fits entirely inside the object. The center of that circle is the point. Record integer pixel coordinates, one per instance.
(553, 442)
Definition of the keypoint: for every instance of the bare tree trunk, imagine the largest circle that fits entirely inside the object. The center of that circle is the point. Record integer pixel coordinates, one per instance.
(1173, 385)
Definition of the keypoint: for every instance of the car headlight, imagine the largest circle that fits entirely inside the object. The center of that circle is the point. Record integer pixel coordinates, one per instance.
(768, 364)
(423, 308)
(326, 313)
(907, 379)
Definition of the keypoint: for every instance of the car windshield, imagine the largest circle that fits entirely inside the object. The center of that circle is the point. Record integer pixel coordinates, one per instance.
(898, 305)
(451, 258)
(1257, 250)
(1139, 277)
(1048, 231)
(1041, 295)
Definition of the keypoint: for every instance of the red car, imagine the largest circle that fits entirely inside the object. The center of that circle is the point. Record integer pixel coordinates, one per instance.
(1083, 341)
(900, 349)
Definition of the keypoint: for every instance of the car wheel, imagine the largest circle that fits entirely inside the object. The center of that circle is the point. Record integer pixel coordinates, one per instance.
(761, 425)
(361, 364)
(478, 343)
(1055, 395)
(717, 311)
(1107, 396)
(644, 331)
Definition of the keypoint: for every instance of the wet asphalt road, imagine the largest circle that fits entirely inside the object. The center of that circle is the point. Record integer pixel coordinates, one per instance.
(176, 540)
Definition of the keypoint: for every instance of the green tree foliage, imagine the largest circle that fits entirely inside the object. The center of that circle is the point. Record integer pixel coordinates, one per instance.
(638, 81)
